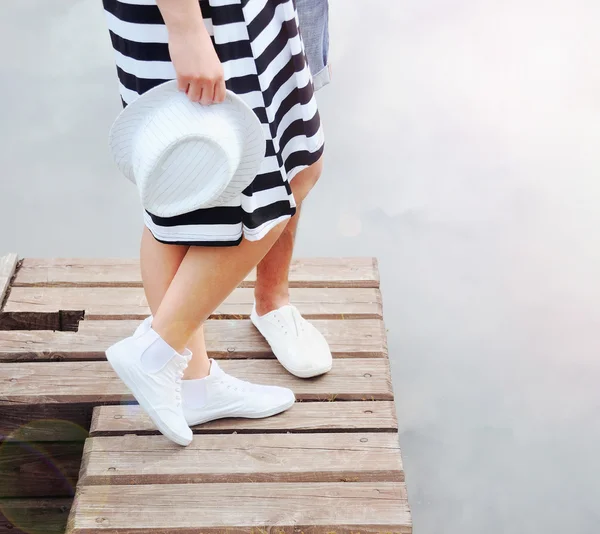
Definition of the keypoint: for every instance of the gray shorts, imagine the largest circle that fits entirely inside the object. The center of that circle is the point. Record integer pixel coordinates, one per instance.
(314, 28)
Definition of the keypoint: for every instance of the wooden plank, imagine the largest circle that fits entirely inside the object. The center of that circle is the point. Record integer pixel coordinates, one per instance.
(8, 265)
(45, 422)
(77, 272)
(357, 457)
(228, 338)
(365, 507)
(34, 516)
(39, 469)
(63, 320)
(130, 303)
(95, 382)
(365, 416)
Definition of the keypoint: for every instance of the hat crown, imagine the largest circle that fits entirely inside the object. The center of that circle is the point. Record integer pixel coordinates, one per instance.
(202, 145)
(184, 156)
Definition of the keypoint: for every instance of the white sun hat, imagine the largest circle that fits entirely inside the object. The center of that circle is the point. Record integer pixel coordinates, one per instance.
(184, 156)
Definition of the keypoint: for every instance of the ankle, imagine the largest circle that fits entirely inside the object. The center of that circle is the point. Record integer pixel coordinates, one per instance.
(169, 335)
(197, 370)
(273, 300)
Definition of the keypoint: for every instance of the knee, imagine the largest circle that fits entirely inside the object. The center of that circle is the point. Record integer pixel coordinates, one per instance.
(305, 180)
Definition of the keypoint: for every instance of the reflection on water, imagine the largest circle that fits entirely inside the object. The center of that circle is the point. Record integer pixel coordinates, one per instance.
(462, 151)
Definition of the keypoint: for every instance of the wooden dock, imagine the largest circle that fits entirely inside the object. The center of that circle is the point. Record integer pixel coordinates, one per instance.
(68, 426)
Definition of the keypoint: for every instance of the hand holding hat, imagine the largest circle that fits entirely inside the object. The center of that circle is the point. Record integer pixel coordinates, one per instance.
(184, 156)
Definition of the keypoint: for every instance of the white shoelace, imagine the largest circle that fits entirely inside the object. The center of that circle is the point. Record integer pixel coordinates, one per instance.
(231, 382)
(181, 367)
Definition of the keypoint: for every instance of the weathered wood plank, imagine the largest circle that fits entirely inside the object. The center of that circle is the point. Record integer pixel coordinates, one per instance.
(34, 516)
(8, 265)
(356, 457)
(39, 469)
(64, 320)
(45, 422)
(365, 416)
(95, 382)
(365, 507)
(74, 272)
(130, 303)
(228, 338)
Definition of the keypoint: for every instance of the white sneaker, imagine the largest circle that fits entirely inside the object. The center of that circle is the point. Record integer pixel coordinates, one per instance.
(220, 395)
(152, 370)
(144, 326)
(296, 343)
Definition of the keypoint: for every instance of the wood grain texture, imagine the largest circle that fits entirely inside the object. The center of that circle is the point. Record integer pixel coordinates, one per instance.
(364, 507)
(34, 516)
(8, 265)
(366, 416)
(95, 382)
(233, 458)
(45, 422)
(227, 338)
(77, 272)
(39, 469)
(320, 467)
(130, 303)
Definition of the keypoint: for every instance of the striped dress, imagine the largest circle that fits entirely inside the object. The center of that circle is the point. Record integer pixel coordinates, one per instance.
(263, 58)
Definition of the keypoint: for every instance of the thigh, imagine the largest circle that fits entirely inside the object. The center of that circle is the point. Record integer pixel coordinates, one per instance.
(305, 180)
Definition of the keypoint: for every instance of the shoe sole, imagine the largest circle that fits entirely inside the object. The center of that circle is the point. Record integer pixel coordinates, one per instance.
(306, 374)
(261, 415)
(144, 403)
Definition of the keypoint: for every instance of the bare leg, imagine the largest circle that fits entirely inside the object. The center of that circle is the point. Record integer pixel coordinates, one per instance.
(184, 285)
(206, 276)
(159, 263)
(272, 274)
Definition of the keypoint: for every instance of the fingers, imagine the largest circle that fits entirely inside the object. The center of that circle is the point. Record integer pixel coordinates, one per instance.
(183, 84)
(219, 92)
(206, 92)
(195, 91)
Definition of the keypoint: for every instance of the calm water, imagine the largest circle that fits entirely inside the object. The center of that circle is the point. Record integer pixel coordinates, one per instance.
(463, 153)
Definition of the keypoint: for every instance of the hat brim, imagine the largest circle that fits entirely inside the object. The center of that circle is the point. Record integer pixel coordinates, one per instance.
(123, 130)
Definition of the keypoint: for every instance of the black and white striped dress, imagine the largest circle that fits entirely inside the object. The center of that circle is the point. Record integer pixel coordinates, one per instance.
(262, 53)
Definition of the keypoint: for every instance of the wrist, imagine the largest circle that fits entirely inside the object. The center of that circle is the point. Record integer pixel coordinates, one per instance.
(182, 17)
(186, 27)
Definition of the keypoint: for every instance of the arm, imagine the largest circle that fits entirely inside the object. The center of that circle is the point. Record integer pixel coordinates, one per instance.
(199, 71)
